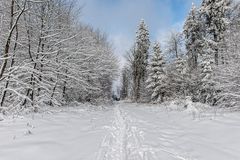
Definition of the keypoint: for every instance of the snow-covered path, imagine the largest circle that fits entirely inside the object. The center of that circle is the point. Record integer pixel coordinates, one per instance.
(124, 141)
(123, 132)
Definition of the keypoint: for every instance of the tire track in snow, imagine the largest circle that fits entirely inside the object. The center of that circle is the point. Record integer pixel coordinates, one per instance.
(124, 141)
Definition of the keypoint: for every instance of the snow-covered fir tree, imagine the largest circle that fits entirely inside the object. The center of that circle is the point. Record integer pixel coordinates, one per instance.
(181, 67)
(157, 79)
(214, 14)
(207, 90)
(215, 21)
(178, 78)
(140, 59)
(193, 32)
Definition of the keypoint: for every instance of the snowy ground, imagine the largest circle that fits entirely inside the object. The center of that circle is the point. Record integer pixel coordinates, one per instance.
(124, 131)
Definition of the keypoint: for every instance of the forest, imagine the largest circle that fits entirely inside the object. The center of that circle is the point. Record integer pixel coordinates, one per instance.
(66, 95)
(49, 57)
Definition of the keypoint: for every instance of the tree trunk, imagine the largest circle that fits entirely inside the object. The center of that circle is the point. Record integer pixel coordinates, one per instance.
(216, 57)
(32, 83)
(12, 28)
(11, 65)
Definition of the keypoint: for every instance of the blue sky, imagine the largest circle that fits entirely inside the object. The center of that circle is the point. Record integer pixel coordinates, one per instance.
(119, 18)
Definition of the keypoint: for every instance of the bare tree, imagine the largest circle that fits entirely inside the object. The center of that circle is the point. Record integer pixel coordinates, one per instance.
(50, 58)
(174, 44)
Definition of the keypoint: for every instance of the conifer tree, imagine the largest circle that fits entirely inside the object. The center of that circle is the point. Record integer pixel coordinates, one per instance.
(207, 89)
(215, 21)
(180, 64)
(227, 74)
(157, 75)
(179, 78)
(193, 32)
(140, 59)
(214, 14)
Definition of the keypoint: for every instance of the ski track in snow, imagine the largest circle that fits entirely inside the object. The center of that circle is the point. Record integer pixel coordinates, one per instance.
(124, 141)
(125, 131)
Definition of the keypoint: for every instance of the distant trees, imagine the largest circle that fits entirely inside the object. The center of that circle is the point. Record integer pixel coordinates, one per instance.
(48, 57)
(125, 84)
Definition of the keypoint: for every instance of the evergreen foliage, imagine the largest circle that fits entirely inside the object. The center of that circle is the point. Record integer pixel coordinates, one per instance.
(140, 59)
(194, 32)
(157, 79)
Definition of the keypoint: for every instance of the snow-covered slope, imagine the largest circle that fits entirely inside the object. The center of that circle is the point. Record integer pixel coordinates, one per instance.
(124, 131)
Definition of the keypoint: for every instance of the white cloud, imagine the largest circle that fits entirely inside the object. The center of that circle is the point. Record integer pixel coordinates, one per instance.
(121, 44)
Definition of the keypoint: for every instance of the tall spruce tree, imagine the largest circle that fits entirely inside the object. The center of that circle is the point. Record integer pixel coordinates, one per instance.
(193, 32)
(214, 14)
(157, 75)
(140, 60)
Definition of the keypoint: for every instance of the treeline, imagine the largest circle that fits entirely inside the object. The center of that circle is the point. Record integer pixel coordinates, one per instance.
(202, 62)
(48, 57)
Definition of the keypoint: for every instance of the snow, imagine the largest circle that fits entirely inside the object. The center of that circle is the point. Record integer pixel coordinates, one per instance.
(124, 131)
(70, 134)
